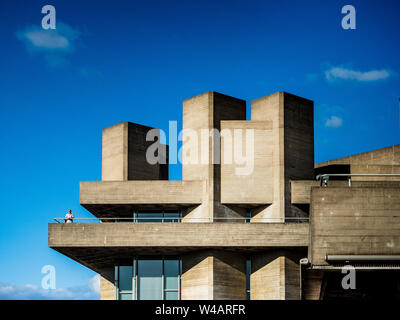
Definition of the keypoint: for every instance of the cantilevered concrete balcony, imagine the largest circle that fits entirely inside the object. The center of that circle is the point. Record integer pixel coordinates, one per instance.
(226, 235)
(99, 245)
(120, 198)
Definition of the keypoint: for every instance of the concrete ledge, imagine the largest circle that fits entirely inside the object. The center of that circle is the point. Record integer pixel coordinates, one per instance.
(162, 235)
(141, 192)
(301, 189)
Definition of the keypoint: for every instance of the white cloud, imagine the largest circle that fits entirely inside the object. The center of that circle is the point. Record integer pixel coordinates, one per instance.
(336, 73)
(47, 39)
(54, 44)
(91, 291)
(94, 283)
(60, 39)
(334, 122)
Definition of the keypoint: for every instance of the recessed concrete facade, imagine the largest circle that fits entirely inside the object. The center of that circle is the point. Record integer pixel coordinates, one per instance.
(234, 229)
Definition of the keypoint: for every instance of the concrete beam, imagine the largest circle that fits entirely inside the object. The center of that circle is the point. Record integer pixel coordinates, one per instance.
(301, 189)
(153, 235)
(141, 192)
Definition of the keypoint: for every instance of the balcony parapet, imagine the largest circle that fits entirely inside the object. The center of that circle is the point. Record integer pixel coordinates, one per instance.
(213, 235)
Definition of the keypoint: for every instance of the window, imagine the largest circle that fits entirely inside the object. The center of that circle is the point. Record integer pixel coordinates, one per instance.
(248, 273)
(123, 280)
(148, 217)
(171, 279)
(161, 216)
(149, 279)
(248, 215)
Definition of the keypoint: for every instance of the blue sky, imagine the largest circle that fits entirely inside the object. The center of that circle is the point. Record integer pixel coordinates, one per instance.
(113, 61)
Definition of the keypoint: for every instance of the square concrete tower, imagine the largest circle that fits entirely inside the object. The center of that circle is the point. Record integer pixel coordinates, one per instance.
(124, 154)
(202, 114)
(293, 147)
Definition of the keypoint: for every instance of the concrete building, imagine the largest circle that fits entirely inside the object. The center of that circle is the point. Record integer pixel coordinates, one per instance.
(274, 232)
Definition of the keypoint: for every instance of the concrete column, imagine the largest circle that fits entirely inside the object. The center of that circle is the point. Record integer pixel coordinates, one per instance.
(201, 114)
(213, 275)
(293, 148)
(197, 276)
(124, 154)
(274, 277)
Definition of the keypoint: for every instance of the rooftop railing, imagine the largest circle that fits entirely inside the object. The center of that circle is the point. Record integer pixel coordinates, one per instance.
(178, 220)
(324, 178)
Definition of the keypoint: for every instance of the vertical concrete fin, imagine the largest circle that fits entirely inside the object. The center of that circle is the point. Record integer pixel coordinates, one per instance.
(204, 113)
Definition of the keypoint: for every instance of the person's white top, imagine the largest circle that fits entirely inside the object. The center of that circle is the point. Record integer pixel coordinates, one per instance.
(69, 217)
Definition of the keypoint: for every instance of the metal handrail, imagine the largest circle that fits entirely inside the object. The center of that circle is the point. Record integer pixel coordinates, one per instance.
(324, 178)
(176, 220)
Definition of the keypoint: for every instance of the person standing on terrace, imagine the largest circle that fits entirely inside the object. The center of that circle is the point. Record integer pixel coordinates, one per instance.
(69, 217)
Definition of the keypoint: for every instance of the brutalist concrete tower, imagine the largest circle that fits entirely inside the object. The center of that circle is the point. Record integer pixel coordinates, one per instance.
(252, 218)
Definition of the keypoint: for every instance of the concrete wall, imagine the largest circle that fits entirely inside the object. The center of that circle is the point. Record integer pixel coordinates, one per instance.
(114, 152)
(124, 154)
(255, 187)
(354, 221)
(212, 274)
(375, 169)
(299, 145)
(384, 156)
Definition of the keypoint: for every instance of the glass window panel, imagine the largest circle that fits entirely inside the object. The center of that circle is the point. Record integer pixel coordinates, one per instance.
(149, 217)
(248, 216)
(125, 296)
(149, 279)
(171, 295)
(248, 274)
(172, 217)
(125, 278)
(171, 274)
